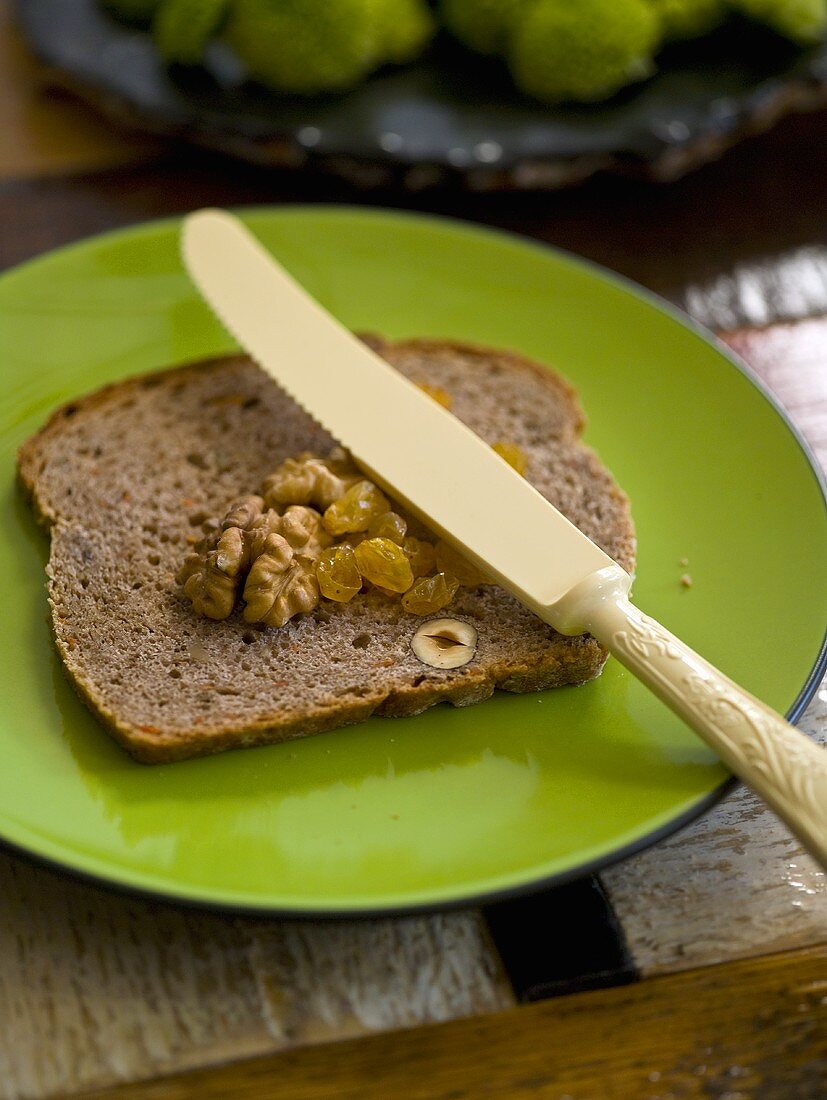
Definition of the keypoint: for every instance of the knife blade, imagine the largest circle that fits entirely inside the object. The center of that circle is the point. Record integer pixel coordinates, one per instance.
(418, 451)
(439, 469)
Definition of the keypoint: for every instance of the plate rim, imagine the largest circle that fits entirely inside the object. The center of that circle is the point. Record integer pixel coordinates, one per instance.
(189, 897)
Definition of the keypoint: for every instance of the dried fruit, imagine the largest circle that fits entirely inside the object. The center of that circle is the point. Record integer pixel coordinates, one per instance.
(338, 574)
(449, 560)
(445, 643)
(384, 564)
(442, 397)
(391, 526)
(291, 555)
(430, 594)
(420, 554)
(513, 455)
(357, 509)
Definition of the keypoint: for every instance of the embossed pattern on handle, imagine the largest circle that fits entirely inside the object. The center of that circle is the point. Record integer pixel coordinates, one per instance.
(779, 762)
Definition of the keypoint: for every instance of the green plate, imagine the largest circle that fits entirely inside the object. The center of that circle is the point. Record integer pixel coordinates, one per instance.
(453, 805)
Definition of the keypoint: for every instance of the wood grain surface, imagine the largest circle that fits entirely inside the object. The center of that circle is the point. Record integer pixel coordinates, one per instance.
(736, 1031)
(97, 988)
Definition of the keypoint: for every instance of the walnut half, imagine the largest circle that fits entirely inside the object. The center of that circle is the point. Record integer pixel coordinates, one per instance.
(311, 480)
(280, 586)
(275, 553)
(212, 576)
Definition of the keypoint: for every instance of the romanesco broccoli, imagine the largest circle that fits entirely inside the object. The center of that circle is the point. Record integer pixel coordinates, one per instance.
(483, 25)
(688, 18)
(302, 45)
(584, 51)
(804, 21)
(406, 26)
(306, 46)
(141, 11)
(182, 28)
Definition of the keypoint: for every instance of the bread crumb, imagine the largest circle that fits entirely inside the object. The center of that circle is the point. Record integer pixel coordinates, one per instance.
(684, 562)
(395, 817)
(686, 580)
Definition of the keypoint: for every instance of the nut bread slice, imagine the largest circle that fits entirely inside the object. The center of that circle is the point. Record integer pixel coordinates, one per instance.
(123, 478)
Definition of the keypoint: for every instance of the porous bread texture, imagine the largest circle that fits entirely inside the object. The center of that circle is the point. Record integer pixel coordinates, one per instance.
(123, 479)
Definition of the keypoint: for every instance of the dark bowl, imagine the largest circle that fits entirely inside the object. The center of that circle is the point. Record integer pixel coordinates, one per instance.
(449, 117)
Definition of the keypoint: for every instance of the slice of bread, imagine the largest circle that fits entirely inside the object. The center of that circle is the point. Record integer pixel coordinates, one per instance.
(124, 477)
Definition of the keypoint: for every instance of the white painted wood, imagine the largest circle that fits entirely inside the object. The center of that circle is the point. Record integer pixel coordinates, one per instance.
(788, 287)
(97, 988)
(325, 981)
(734, 884)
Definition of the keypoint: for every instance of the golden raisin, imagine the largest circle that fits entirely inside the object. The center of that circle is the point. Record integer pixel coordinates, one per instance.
(420, 554)
(439, 395)
(449, 560)
(391, 526)
(384, 564)
(513, 455)
(338, 574)
(430, 594)
(357, 509)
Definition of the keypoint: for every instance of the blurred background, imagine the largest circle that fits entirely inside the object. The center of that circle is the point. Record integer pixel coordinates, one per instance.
(666, 181)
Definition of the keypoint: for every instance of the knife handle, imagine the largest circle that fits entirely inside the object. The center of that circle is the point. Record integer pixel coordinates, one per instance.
(786, 768)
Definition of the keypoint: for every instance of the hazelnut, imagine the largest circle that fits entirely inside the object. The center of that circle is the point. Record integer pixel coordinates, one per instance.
(445, 643)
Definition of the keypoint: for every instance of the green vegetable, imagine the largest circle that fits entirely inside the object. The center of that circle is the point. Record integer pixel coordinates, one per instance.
(302, 45)
(483, 25)
(688, 18)
(311, 46)
(182, 28)
(405, 28)
(585, 50)
(139, 11)
(804, 21)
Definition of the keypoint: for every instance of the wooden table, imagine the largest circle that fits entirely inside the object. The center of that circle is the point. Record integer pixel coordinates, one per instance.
(696, 969)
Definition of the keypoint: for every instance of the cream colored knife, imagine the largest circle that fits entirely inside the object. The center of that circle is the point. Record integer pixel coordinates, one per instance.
(439, 469)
